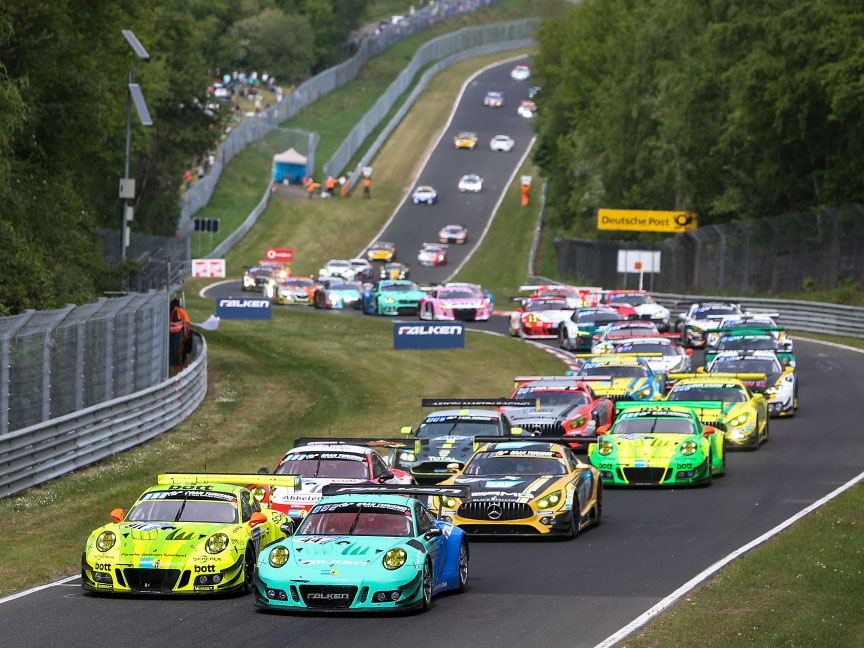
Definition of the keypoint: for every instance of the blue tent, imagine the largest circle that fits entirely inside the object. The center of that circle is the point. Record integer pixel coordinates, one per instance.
(291, 165)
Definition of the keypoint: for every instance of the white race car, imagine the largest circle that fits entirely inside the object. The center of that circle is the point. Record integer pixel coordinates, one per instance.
(501, 143)
(527, 109)
(701, 318)
(767, 375)
(337, 269)
(520, 73)
(669, 356)
(646, 308)
(471, 182)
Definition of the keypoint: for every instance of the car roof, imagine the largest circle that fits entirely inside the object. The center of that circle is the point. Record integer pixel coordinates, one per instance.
(351, 449)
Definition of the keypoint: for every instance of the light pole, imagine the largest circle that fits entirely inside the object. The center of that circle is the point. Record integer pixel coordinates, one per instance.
(127, 184)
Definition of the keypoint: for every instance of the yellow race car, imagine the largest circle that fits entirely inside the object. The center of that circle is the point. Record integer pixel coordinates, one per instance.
(465, 140)
(529, 487)
(744, 412)
(381, 251)
(190, 534)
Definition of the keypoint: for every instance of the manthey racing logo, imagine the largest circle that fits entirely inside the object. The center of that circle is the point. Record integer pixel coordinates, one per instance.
(428, 335)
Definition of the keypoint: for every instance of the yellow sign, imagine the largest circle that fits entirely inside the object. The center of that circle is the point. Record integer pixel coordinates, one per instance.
(645, 220)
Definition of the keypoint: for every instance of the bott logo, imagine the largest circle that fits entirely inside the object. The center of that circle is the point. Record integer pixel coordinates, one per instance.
(244, 303)
(204, 568)
(431, 330)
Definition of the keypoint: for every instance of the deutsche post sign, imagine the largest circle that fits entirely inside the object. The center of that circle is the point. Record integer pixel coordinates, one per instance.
(645, 220)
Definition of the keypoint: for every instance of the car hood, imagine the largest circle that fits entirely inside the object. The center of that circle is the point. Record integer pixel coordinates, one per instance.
(155, 544)
(463, 302)
(618, 386)
(650, 446)
(455, 448)
(314, 556)
(650, 309)
(550, 413)
(550, 315)
(510, 488)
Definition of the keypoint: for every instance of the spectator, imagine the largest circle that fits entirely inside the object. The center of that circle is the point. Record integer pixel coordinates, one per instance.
(310, 188)
(179, 333)
(188, 178)
(367, 184)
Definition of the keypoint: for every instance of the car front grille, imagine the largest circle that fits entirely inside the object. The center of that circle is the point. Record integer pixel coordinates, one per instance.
(465, 314)
(407, 310)
(428, 467)
(543, 429)
(500, 511)
(643, 475)
(151, 580)
(499, 529)
(328, 596)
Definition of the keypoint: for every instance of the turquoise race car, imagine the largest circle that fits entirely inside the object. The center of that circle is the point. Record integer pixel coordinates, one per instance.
(371, 548)
(393, 297)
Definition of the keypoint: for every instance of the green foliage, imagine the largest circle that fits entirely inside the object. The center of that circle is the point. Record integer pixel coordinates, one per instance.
(274, 41)
(735, 110)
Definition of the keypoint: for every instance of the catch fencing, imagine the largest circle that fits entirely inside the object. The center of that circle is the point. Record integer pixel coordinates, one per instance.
(790, 253)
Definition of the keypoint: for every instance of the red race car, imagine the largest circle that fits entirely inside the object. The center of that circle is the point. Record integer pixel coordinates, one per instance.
(540, 317)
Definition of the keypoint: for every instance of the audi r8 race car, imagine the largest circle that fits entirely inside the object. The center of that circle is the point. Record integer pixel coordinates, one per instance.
(617, 332)
(336, 293)
(702, 318)
(381, 251)
(646, 308)
(455, 302)
(424, 194)
(432, 254)
(502, 143)
(190, 534)
(293, 290)
(527, 109)
(621, 377)
(258, 277)
(393, 297)
(662, 354)
(744, 413)
(539, 317)
(465, 140)
(531, 487)
(754, 339)
(453, 234)
(337, 269)
(659, 445)
(319, 462)
(780, 384)
(520, 73)
(444, 441)
(577, 331)
(365, 548)
(471, 182)
(394, 271)
(494, 99)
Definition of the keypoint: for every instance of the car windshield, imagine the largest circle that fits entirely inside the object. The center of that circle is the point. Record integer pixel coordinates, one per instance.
(496, 463)
(725, 394)
(630, 331)
(616, 371)
(654, 425)
(347, 287)
(714, 310)
(742, 344)
(183, 510)
(338, 264)
(470, 178)
(337, 465)
(456, 294)
(399, 287)
(563, 397)
(441, 426)
(262, 272)
(535, 306)
(358, 519)
(647, 347)
(744, 365)
(453, 229)
(596, 318)
(300, 283)
(634, 299)
(502, 138)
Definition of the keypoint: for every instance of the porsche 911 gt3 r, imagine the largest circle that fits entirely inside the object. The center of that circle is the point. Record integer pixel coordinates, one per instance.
(520, 73)
(432, 254)
(501, 143)
(471, 182)
(381, 251)
(424, 194)
(527, 109)
(494, 99)
(453, 234)
(539, 317)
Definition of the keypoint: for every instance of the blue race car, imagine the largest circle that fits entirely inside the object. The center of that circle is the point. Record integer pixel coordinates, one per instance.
(424, 194)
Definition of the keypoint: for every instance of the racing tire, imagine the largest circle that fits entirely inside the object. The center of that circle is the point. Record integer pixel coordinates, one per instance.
(575, 519)
(598, 505)
(710, 476)
(562, 341)
(463, 566)
(426, 585)
(248, 569)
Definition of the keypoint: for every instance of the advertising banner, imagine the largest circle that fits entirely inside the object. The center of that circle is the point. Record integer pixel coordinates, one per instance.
(636, 220)
(285, 255)
(208, 268)
(429, 335)
(243, 308)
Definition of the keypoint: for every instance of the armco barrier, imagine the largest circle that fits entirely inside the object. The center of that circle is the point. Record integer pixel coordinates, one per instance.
(33, 455)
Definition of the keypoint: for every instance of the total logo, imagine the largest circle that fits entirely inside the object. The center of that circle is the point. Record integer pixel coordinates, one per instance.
(430, 330)
(244, 303)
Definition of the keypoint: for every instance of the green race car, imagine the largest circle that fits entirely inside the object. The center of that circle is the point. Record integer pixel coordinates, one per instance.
(191, 534)
(369, 549)
(659, 445)
(393, 297)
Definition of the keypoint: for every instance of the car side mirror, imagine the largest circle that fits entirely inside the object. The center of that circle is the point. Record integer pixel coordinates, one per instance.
(405, 430)
(708, 430)
(263, 471)
(603, 429)
(287, 527)
(452, 467)
(117, 515)
(689, 352)
(517, 431)
(386, 476)
(256, 519)
(434, 532)
(700, 370)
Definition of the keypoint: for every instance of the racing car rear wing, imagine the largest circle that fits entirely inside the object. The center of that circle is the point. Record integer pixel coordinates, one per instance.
(477, 402)
(740, 329)
(234, 479)
(664, 405)
(524, 379)
(461, 492)
(738, 376)
(575, 443)
(647, 354)
(366, 443)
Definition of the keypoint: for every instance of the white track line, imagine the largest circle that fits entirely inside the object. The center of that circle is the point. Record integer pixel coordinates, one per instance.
(32, 590)
(213, 285)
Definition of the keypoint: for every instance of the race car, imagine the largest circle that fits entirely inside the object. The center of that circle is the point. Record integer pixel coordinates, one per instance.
(662, 354)
(323, 461)
(539, 317)
(565, 407)
(456, 302)
(659, 445)
(780, 384)
(465, 141)
(744, 413)
(293, 290)
(532, 487)
(605, 341)
(381, 251)
(494, 99)
(502, 143)
(646, 308)
(527, 109)
(394, 271)
(748, 321)
(621, 377)
(258, 277)
(424, 194)
(362, 269)
(336, 293)
(576, 296)
(701, 318)
(337, 269)
(432, 254)
(577, 331)
(392, 297)
(453, 234)
(444, 441)
(520, 73)
(365, 548)
(190, 534)
(754, 339)
(471, 182)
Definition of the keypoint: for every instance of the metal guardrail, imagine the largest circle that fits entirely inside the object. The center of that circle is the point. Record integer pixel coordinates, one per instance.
(35, 454)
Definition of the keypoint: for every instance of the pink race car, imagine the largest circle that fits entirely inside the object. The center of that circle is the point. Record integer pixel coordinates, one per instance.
(456, 301)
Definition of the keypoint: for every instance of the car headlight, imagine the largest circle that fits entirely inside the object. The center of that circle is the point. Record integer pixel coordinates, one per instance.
(258, 492)
(105, 540)
(450, 502)
(577, 422)
(773, 389)
(408, 456)
(216, 543)
(445, 307)
(605, 448)
(395, 558)
(550, 500)
(389, 300)
(695, 329)
(643, 393)
(738, 420)
(688, 448)
(279, 556)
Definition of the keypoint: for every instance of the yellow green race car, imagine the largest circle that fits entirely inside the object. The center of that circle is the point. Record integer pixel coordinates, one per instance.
(744, 413)
(190, 534)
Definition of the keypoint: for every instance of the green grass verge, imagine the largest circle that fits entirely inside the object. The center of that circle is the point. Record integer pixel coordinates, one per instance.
(805, 587)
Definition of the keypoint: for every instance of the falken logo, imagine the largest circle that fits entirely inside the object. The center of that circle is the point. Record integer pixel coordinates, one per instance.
(430, 330)
(244, 303)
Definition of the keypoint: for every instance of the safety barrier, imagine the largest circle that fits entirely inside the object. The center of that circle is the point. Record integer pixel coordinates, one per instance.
(35, 454)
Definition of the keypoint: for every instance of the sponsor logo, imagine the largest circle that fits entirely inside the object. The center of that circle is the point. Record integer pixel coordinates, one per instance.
(419, 329)
(494, 511)
(331, 596)
(102, 566)
(428, 336)
(203, 569)
(237, 308)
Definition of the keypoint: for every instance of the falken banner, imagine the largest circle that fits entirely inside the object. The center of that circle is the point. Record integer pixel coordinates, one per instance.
(429, 335)
(243, 308)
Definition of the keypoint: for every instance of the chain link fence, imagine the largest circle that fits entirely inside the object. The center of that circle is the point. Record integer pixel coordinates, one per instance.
(790, 253)
(56, 362)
